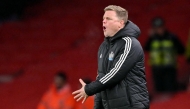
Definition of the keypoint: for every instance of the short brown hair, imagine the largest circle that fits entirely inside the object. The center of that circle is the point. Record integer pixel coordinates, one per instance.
(121, 12)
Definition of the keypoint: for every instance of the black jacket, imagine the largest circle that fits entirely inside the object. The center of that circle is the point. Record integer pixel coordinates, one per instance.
(121, 82)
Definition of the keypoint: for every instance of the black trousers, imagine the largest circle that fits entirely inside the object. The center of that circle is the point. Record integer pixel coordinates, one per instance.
(165, 78)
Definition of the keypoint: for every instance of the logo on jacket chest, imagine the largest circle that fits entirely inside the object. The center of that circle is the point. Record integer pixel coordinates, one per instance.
(111, 56)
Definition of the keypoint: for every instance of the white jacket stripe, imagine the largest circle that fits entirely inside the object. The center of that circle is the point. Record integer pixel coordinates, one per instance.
(119, 63)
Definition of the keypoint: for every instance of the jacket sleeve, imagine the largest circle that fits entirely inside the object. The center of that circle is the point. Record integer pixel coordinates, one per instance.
(122, 64)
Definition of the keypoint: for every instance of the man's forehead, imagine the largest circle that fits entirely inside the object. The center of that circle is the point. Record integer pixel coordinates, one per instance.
(109, 13)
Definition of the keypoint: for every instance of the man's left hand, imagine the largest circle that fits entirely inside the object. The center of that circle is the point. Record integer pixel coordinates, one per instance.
(79, 94)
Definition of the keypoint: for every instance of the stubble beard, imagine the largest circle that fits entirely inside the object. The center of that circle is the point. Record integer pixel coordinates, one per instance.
(105, 34)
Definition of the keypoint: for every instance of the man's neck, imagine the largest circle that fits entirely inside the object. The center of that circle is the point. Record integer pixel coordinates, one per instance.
(118, 31)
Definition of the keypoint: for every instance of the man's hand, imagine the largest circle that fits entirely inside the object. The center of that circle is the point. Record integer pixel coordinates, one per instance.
(79, 94)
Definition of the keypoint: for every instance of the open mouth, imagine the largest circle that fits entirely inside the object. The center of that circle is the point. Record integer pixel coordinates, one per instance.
(104, 28)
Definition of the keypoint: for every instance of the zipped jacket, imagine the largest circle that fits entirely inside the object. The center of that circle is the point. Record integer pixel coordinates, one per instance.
(121, 82)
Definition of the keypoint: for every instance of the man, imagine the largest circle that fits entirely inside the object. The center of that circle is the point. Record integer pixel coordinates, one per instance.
(164, 48)
(121, 82)
(59, 95)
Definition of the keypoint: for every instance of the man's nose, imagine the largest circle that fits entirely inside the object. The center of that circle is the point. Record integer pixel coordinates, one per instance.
(104, 21)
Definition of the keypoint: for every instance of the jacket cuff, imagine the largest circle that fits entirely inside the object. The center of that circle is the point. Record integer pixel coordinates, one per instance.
(93, 88)
(87, 90)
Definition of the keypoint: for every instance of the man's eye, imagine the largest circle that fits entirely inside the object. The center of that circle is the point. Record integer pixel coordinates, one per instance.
(107, 18)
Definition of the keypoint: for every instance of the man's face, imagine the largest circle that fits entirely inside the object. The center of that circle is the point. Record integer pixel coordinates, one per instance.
(111, 23)
(159, 30)
(59, 82)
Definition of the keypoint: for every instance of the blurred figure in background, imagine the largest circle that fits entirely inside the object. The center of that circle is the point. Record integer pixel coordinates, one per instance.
(188, 60)
(89, 103)
(163, 47)
(188, 48)
(59, 95)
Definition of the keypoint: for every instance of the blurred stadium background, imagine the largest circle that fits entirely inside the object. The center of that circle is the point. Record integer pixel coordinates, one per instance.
(40, 37)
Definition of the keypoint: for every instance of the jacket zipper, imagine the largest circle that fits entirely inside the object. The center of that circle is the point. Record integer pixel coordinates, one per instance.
(107, 100)
(107, 52)
(108, 62)
(128, 93)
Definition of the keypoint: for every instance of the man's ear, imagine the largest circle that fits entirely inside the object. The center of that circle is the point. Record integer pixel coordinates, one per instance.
(122, 23)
